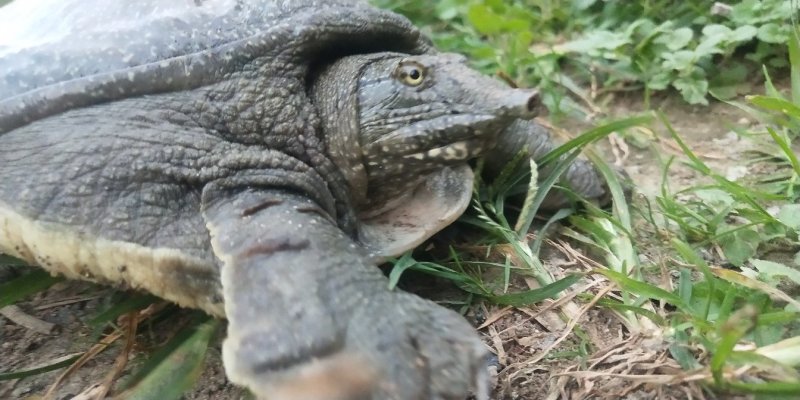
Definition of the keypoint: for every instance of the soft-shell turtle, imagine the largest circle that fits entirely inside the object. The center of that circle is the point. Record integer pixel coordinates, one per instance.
(256, 159)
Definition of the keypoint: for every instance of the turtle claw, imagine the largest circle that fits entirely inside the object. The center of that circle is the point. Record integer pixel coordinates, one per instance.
(424, 351)
(397, 348)
(296, 362)
(340, 376)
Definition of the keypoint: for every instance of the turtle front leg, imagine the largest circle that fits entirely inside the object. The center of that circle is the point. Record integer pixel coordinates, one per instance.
(581, 177)
(309, 317)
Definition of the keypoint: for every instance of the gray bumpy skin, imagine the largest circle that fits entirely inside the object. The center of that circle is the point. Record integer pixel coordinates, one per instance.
(225, 155)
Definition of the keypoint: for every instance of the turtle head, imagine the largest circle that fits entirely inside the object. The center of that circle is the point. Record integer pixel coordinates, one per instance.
(391, 118)
(395, 124)
(417, 113)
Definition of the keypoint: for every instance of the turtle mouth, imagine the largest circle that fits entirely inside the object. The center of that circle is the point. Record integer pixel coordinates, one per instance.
(439, 141)
(406, 159)
(458, 151)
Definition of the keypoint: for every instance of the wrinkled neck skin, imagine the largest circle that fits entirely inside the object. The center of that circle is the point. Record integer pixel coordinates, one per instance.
(391, 119)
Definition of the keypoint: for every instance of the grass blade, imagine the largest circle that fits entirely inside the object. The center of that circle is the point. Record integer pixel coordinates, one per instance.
(730, 333)
(39, 370)
(129, 302)
(11, 261)
(30, 283)
(536, 295)
(794, 63)
(176, 367)
(530, 205)
(786, 147)
(595, 134)
(573, 147)
(645, 289)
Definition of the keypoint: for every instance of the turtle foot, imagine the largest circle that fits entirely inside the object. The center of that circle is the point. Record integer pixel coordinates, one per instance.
(397, 347)
(423, 351)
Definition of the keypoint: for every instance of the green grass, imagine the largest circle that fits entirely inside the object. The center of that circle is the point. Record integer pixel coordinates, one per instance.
(578, 51)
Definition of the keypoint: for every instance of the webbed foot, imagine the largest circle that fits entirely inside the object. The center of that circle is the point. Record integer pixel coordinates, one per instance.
(424, 350)
(395, 347)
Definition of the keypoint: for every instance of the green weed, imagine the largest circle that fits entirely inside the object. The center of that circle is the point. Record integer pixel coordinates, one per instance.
(694, 47)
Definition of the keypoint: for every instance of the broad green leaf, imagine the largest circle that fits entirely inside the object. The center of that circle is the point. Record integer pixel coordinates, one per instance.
(484, 19)
(583, 4)
(739, 245)
(496, 5)
(693, 90)
(737, 72)
(716, 197)
(744, 33)
(677, 39)
(745, 12)
(447, 9)
(682, 60)
(708, 47)
(660, 80)
(595, 41)
(772, 270)
(789, 215)
(773, 33)
(717, 31)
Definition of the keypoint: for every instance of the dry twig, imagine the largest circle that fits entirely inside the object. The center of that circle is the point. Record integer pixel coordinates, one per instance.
(19, 317)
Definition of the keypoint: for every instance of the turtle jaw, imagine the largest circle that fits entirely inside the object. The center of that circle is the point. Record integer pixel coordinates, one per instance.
(426, 145)
(400, 161)
(421, 181)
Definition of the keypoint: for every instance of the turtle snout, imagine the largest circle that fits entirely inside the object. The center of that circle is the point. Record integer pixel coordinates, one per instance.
(534, 104)
(520, 103)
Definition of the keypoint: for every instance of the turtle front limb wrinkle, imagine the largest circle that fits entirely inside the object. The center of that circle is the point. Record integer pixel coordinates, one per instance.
(311, 318)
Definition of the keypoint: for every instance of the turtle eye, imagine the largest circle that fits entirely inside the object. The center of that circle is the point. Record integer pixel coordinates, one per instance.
(410, 73)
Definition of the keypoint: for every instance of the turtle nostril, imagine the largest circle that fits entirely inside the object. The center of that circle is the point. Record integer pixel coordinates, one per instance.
(534, 102)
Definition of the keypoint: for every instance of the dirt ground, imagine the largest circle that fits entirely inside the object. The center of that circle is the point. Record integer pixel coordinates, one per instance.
(517, 336)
